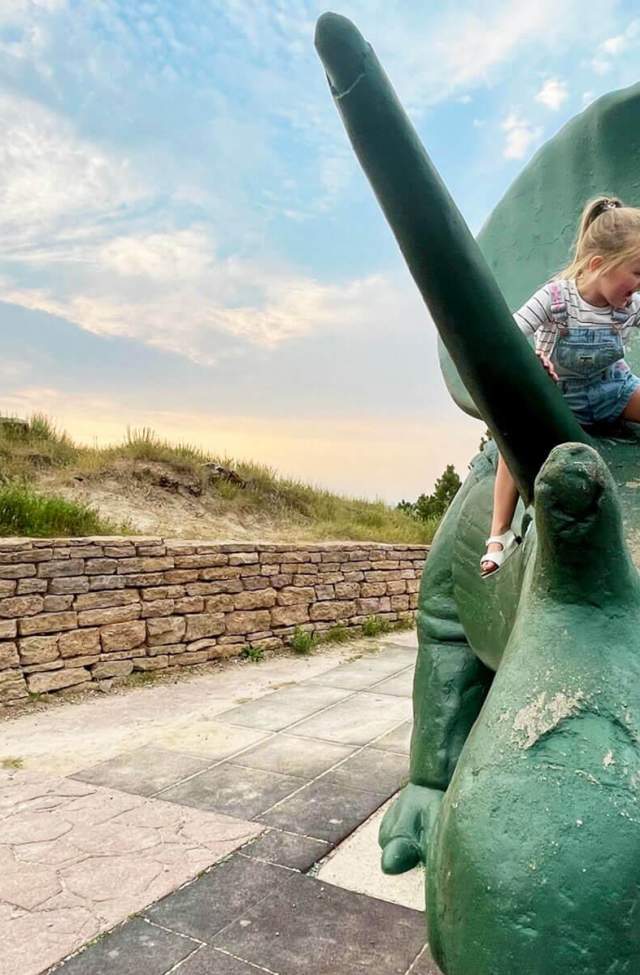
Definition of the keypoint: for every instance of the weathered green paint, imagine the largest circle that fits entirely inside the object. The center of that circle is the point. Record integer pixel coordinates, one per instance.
(533, 863)
(525, 787)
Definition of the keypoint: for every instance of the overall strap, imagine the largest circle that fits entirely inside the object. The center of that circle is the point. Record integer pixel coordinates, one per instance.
(622, 318)
(559, 309)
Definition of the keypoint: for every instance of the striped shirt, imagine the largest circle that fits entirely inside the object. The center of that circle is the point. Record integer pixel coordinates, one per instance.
(534, 318)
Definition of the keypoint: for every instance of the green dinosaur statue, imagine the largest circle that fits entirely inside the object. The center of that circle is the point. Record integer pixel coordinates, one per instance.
(524, 790)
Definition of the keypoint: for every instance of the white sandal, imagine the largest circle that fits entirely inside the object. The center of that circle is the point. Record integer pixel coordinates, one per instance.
(509, 542)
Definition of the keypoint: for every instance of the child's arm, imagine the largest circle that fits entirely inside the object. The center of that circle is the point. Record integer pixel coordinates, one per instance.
(534, 318)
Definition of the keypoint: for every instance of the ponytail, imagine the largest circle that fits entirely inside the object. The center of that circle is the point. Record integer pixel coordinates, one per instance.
(607, 228)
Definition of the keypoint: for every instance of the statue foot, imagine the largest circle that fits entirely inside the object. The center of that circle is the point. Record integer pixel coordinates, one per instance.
(406, 827)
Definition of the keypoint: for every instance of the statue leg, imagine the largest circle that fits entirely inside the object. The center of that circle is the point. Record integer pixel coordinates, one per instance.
(450, 686)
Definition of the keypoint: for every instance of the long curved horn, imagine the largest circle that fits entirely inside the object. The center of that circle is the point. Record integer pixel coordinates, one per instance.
(520, 404)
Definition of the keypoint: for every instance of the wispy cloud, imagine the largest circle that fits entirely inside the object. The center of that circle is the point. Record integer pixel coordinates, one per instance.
(553, 93)
(520, 135)
(614, 46)
(139, 291)
(51, 176)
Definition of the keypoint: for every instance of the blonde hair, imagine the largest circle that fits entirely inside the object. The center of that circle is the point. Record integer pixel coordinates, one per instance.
(608, 229)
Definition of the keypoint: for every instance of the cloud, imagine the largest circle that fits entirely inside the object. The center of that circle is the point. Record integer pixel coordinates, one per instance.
(520, 135)
(173, 292)
(163, 257)
(553, 93)
(612, 47)
(51, 176)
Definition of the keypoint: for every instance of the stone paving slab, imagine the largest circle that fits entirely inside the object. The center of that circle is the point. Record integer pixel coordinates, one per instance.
(365, 671)
(400, 684)
(76, 859)
(398, 740)
(404, 638)
(301, 757)
(65, 737)
(322, 811)
(355, 865)
(143, 771)
(306, 926)
(425, 965)
(135, 948)
(287, 849)
(293, 761)
(280, 922)
(211, 961)
(209, 739)
(371, 770)
(276, 711)
(206, 906)
(234, 790)
(356, 721)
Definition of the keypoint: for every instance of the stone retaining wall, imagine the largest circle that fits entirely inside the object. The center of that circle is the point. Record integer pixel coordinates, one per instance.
(87, 610)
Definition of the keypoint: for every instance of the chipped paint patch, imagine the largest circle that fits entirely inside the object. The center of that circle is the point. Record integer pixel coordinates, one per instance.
(542, 715)
(608, 760)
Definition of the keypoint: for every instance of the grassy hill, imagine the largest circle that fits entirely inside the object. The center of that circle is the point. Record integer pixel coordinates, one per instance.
(50, 485)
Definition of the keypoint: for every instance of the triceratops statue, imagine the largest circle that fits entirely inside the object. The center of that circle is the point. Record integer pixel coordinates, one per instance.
(524, 791)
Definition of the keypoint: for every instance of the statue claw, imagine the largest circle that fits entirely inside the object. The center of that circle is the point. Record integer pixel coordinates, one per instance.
(400, 854)
(406, 828)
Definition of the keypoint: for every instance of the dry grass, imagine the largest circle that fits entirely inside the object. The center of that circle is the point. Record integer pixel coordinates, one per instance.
(39, 450)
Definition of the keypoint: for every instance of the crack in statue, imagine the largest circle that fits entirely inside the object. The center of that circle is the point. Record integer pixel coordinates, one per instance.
(523, 800)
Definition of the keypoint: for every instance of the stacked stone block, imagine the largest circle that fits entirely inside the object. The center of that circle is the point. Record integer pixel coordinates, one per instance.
(87, 610)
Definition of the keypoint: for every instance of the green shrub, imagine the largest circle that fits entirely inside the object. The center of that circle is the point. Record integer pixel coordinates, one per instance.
(302, 641)
(373, 626)
(255, 654)
(337, 634)
(24, 512)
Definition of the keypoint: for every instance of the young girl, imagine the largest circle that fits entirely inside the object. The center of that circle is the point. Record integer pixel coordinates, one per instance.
(581, 320)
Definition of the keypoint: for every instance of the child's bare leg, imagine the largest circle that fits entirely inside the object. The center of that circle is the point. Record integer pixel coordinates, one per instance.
(505, 498)
(632, 409)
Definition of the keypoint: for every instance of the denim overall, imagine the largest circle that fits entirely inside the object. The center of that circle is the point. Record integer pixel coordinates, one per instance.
(592, 374)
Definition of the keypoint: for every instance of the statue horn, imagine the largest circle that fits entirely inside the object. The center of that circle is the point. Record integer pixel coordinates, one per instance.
(520, 404)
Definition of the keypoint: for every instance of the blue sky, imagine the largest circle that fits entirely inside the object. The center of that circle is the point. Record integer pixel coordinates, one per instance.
(188, 243)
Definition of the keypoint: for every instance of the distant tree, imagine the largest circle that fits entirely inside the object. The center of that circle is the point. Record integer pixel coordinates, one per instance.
(407, 506)
(434, 505)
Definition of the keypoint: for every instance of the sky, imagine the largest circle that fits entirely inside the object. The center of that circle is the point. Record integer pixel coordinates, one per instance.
(188, 244)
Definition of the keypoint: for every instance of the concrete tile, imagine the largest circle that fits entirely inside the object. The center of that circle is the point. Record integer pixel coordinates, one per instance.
(210, 961)
(323, 810)
(402, 638)
(400, 685)
(355, 865)
(219, 896)
(31, 941)
(209, 739)
(136, 948)
(398, 740)
(287, 849)
(372, 770)
(331, 931)
(233, 790)
(79, 859)
(356, 721)
(143, 771)
(425, 964)
(365, 671)
(302, 757)
(282, 708)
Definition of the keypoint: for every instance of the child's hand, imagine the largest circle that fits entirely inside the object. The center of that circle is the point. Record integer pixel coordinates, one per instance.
(547, 365)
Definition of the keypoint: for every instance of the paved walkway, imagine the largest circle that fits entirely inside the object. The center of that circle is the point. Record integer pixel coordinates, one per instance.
(222, 825)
